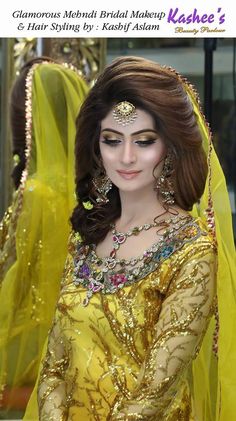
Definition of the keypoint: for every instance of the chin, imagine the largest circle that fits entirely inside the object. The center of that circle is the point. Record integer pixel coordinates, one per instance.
(132, 187)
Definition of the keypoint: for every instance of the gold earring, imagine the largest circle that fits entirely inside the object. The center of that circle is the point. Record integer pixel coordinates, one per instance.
(103, 185)
(164, 184)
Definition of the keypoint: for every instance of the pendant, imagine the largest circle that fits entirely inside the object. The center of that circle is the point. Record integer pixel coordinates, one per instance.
(119, 238)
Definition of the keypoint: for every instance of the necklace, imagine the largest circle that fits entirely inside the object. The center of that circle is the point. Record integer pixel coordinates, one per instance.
(109, 274)
(119, 238)
(112, 261)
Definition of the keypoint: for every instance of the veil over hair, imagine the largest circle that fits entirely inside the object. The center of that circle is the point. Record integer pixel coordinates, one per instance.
(34, 231)
(214, 370)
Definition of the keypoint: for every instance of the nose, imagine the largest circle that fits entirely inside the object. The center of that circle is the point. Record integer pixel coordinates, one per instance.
(128, 155)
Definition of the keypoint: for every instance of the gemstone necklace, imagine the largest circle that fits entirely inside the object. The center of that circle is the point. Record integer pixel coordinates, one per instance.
(112, 261)
(119, 238)
(97, 274)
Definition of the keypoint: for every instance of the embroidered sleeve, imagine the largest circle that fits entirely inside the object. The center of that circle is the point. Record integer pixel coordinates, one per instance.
(52, 388)
(179, 331)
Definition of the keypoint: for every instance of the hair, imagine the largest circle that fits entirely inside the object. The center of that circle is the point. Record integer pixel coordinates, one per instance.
(18, 118)
(159, 91)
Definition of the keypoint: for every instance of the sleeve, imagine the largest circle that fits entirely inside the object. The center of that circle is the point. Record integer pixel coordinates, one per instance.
(183, 320)
(52, 393)
(51, 387)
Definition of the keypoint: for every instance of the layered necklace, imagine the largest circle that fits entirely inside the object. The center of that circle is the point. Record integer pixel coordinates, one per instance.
(170, 226)
(119, 238)
(109, 274)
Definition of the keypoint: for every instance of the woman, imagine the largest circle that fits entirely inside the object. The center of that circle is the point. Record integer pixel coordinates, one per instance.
(139, 288)
(44, 103)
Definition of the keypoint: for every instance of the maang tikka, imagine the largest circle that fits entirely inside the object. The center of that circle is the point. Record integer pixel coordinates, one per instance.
(164, 184)
(124, 113)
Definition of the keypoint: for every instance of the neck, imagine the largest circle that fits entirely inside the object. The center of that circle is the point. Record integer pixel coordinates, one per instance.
(138, 208)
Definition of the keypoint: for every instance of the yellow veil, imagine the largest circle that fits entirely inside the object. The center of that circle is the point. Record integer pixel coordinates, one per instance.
(34, 232)
(214, 370)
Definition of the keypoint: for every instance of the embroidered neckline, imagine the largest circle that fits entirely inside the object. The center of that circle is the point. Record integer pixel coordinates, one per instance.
(98, 274)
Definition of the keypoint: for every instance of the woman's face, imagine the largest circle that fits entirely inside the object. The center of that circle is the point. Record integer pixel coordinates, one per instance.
(130, 153)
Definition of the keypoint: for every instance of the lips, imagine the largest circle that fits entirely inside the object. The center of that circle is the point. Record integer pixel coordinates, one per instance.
(127, 175)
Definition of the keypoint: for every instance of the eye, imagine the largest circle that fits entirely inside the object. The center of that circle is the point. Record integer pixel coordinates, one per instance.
(111, 142)
(144, 143)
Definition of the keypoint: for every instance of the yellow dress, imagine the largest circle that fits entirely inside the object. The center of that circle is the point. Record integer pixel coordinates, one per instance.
(126, 354)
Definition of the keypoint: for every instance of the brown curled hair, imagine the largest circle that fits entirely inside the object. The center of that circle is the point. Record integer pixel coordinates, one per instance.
(161, 92)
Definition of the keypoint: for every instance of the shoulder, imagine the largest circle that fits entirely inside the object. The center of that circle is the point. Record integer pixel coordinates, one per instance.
(75, 243)
(196, 259)
(197, 241)
(192, 244)
(75, 248)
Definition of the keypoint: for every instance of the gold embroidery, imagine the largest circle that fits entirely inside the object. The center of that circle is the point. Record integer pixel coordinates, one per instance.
(126, 355)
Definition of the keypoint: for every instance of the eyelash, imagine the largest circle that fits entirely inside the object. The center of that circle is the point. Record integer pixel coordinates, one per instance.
(110, 142)
(141, 143)
(145, 142)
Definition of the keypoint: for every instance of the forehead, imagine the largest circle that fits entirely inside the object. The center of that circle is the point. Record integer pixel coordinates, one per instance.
(144, 120)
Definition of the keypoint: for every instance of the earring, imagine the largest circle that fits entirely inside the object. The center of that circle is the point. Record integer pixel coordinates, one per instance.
(103, 185)
(164, 183)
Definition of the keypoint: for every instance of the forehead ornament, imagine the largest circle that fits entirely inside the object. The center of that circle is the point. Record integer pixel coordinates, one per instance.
(124, 113)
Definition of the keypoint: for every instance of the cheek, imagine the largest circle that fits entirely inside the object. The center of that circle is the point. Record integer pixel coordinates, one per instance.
(108, 155)
(154, 157)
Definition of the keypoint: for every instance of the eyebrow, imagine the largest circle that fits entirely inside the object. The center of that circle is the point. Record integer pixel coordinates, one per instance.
(132, 134)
